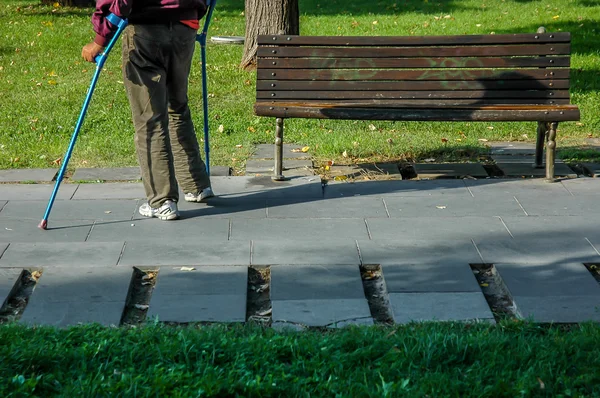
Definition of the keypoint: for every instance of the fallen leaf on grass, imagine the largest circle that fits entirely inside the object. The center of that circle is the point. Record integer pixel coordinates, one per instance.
(345, 154)
(340, 178)
(542, 385)
(482, 140)
(305, 149)
(372, 127)
(444, 140)
(221, 128)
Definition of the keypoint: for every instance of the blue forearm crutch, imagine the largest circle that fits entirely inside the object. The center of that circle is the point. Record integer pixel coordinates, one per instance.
(120, 23)
(201, 38)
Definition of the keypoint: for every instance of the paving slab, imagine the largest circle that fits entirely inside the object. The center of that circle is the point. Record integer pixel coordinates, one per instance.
(582, 186)
(554, 249)
(592, 169)
(90, 285)
(316, 251)
(220, 171)
(211, 229)
(72, 209)
(453, 253)
(316, 282)
(452, 206)
(290, 151)
(266, 166)
(298, 229)
(35, 191)
(525, 169)
(218, 207)
(199, 308)
(321, 313)
(26, 230)
(553, 227)
(72, 254)
(201, 280)
(547, 280)
(205, 294)
(559, 206)
(353, 207)
(495, 187)
(196, 252)
(423, 307)
(449, 170)
(396, 188)
(429, 278)
(110, 190)
(107, 174)
(263, 187)
(558, 309)
(511, 148)
(424, 229)
(73, 313)
(27, 175)
(9, 279)
(69, 296)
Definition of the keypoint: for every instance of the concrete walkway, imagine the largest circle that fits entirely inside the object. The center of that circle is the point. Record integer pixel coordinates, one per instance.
(314, 238)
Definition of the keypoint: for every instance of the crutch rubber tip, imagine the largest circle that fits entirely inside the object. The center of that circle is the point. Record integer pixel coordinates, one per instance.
(43, 224)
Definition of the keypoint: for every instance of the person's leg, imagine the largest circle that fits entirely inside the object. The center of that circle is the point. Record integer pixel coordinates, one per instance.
(190, 170)
(145, 78)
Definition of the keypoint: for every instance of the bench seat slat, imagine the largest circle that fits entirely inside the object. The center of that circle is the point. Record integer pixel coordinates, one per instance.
(474, 113)
(316, 87)
(403, 74)
(533, 38)
(329, 95)
(411, 63)
(451, 102)
(412, 52)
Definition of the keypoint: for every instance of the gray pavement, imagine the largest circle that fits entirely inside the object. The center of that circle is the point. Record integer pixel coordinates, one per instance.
(314, 238)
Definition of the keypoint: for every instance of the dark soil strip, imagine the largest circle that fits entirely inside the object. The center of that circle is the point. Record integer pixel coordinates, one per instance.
(138, 298)
(594, 270)
(495, 291)
(376, 294)
(12, 310)
(258, 304)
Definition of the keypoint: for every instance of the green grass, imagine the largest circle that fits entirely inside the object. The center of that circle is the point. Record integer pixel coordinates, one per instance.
(507, 360)
(43, 82)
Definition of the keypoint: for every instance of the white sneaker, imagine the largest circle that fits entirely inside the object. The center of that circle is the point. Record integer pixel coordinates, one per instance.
(200, 196)
(168, 211)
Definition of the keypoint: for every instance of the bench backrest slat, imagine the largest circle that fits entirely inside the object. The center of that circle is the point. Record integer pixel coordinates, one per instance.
(378, 41)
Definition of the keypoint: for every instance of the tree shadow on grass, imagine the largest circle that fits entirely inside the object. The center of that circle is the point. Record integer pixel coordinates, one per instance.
(357, 7)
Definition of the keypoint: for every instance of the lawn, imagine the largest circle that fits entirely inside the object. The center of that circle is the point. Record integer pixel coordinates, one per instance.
(507, 360)
(43, 82)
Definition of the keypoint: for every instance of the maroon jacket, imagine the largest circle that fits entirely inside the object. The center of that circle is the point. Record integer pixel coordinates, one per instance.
(143, 12)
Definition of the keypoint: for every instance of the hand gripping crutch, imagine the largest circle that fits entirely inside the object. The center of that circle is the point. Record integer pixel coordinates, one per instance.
(120, 23)
(201, 38)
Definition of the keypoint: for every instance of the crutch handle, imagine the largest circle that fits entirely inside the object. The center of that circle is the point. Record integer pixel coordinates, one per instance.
(120, 23)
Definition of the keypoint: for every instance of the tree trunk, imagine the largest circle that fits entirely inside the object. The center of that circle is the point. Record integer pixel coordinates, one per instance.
(268, 17)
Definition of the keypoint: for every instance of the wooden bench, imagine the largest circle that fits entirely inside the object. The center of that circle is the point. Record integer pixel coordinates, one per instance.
(491, 78)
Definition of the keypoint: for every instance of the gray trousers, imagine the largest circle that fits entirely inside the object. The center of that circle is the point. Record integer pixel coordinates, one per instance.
(156, 66)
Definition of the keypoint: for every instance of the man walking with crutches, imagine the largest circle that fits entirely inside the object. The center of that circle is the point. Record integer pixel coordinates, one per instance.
(158, 47)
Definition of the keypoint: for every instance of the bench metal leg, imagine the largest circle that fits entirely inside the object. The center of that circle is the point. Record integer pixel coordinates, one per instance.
(278, 170)
(539, 148)
(551, 151)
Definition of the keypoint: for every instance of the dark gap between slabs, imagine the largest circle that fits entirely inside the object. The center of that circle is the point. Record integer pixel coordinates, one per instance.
(376, 294)
(493, 170)
(495, 292)
(18, 298)
(258, 303)
(140, 291)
